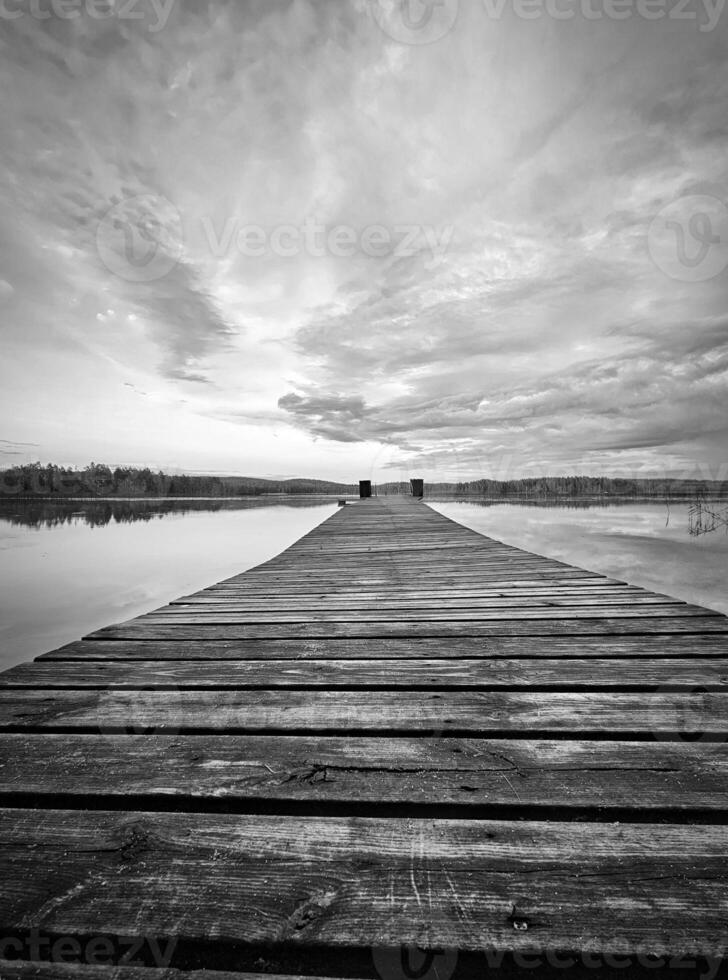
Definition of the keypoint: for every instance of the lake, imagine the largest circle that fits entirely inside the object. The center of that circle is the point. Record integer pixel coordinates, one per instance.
(69, 567)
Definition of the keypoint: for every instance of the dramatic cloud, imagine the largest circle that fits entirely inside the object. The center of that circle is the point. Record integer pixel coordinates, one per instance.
(297, 236)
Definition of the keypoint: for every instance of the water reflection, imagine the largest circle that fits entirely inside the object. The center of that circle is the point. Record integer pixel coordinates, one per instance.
(68, 567)
(99, 512)
(576, 503)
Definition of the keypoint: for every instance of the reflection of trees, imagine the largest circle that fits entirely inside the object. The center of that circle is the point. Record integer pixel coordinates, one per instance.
(563, 503)
(50, 513)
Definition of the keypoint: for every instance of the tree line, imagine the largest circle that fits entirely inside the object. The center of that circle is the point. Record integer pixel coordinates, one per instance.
(569, 486)
(99, 480)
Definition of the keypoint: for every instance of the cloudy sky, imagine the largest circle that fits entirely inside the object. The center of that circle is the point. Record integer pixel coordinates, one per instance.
(348, 237)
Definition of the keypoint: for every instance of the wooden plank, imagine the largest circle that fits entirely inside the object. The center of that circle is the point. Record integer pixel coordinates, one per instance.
(410, 552)
(391, 569)
(346, 581)
(187, 614)
(374, 600)
(476, 674)
(404, 590)
(55, 970)
(420, 607)
(470, 598)
(395, 575)
(436, 561)
(606, 626)
(478, 583)
(213, 772)
(669, 716)
(396, 558)
(531, 648)
(357, 883)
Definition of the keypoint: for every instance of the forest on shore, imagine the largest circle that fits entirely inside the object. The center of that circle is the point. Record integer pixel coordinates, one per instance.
(100, 480)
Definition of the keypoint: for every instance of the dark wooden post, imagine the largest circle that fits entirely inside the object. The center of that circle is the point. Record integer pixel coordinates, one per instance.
(418, 488)
(365, 488)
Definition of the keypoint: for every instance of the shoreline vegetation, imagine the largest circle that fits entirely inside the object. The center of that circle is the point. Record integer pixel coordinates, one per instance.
(99, 481)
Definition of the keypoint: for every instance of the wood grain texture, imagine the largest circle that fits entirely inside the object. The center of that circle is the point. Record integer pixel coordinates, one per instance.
(670, 716)
(242, 771)
(618, 647)
(186, 615)
(351, 599)
(605, 626)
(518, 600)
(424, 674)
(356, 882)
(14, 970)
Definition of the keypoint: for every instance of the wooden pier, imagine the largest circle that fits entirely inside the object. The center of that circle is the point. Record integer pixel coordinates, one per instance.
(398, 750)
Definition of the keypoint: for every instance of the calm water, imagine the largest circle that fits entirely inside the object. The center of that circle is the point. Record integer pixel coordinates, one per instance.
(70, 567)
(646, 544)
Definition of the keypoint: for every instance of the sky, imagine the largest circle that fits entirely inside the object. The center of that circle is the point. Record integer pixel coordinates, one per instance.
(365, 238)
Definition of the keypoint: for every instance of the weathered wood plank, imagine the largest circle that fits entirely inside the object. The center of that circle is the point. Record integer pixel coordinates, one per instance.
(369, 600)
(670, 716)
(412, 590)
(530, 648)
(478, 674)
(393, 576)
(605, 626)
(334, 586)
(191, 771)
(55, 970)
(553, 610)
(457, 608)
(355, 882)
(434, 563)
(383, 600)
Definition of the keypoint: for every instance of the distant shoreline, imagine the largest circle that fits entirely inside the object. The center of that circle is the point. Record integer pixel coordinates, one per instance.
(677, 497)
(99, 481)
